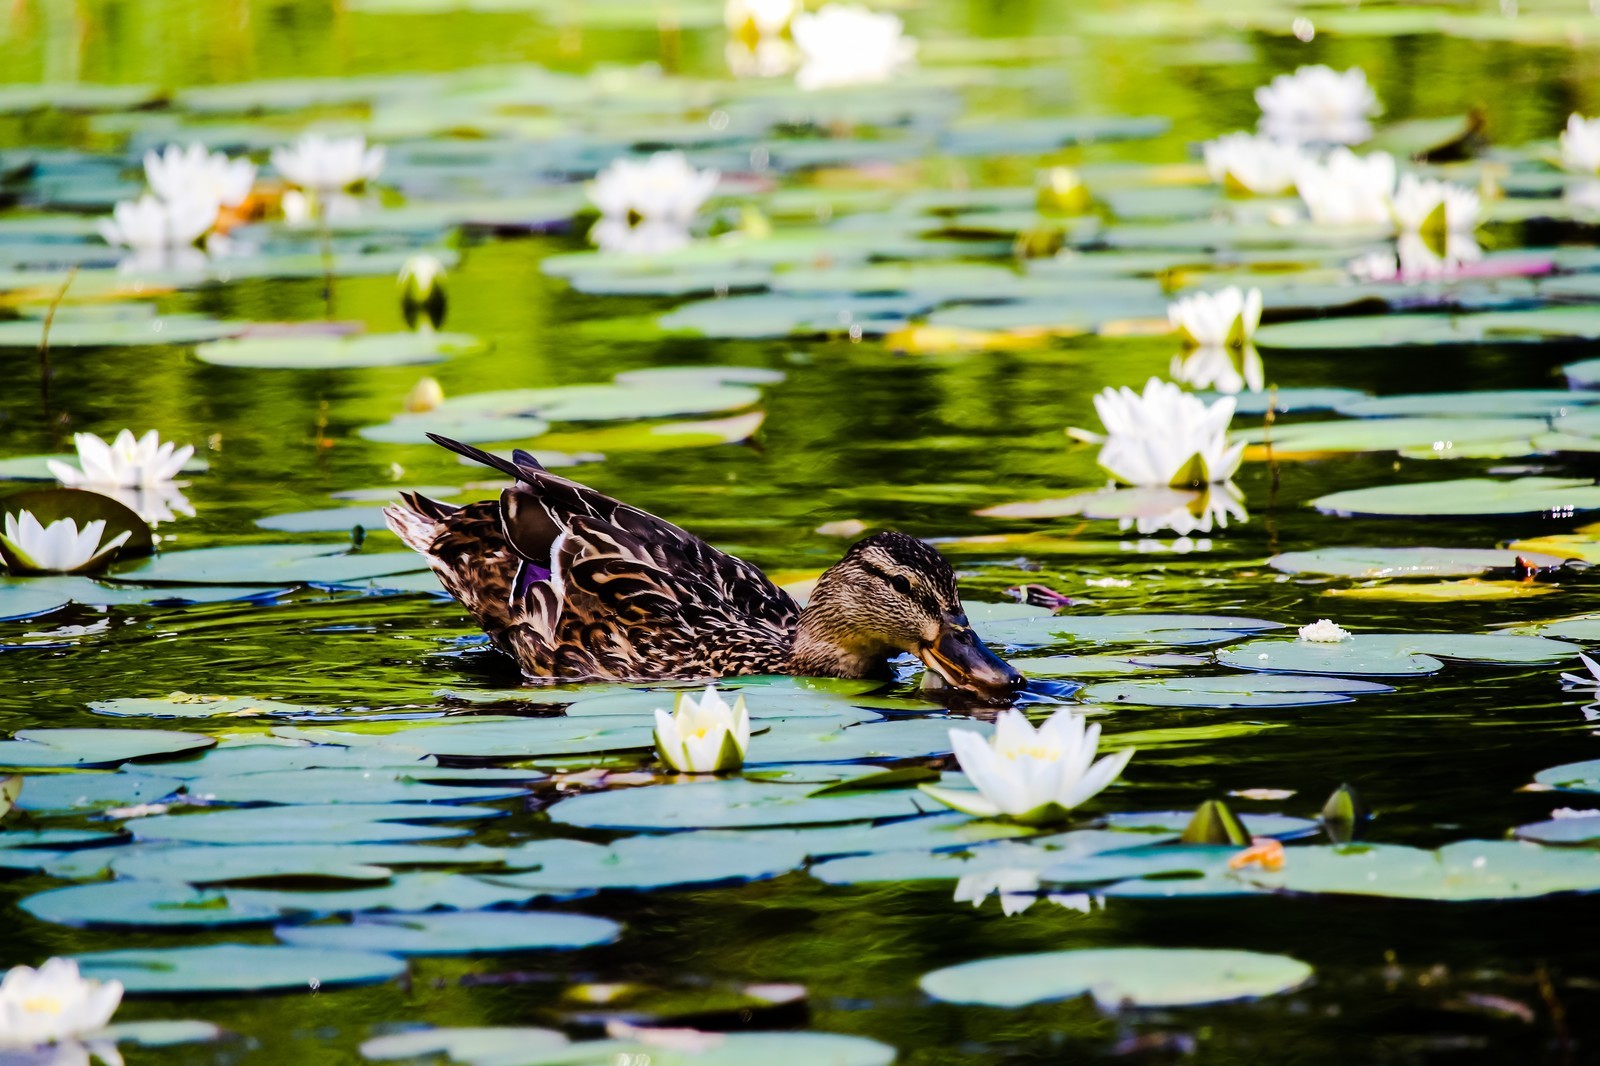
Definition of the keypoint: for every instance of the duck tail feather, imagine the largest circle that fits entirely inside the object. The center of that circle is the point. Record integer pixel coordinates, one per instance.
(478, 455)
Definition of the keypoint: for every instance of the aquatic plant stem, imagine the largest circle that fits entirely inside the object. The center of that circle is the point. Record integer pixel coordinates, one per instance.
(44, 343)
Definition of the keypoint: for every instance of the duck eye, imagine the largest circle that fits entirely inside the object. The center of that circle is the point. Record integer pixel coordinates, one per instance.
(901, 585)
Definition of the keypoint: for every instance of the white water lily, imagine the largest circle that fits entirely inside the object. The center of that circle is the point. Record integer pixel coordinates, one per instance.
(1062, 192)
(1347, 189)
(662, 188)
(759, 18)
(1226, 319)
(125, 461)
(1226, 370)
(1210, 510)
(60, 547)
(1580, 145)
(1593, 678)
(764, 57)
(1164, 436)
(421, 278)
(1254, 163)
(1033, 776)
(1324, 631)
(178, 173)
(704, 736)
(1318, 105)
(847, 44)
(328, 165)
(1424, 205)
(151, 224)
(53, 1004)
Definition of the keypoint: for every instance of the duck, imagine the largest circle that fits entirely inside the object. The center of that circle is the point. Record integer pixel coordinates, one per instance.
(577, 586)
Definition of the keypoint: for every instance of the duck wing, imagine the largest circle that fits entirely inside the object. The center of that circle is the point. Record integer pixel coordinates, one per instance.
(599, 588)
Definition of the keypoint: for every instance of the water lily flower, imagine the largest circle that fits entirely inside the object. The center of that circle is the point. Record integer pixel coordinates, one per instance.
(847, 44)
(53, 1004)
(1434, 207)
(1254, 163)
(759, 18)
(1164, 436)
(425, 395)
(764, 57)
(60, 547)
(1318, 105)
(1062, 192)
(328, 165)
(1324, 631)
(1032, 776)
(151, 224)
(663, 188)
(1347, 189)
(178, 173)
(703, 736)
(124, 462)
(1580, 145)
(1226, 370)
(1226, 319)
(1593, 678)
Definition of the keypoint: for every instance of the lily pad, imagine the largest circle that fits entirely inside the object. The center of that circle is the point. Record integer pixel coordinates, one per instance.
(460, 933)
(1270, 690)
(1467, 870)
(1443, 437)
(1376, 562)
(67, 748)
(1118, 977)
(648, 862)
(1392, 654)
(1467, 496)
(66, 332)
(244, 863)
(731, 804)
(133, 904)
(1395, 331)
(1155, 629)
(1503, 403)
(341, 823)
(236, 968)
(330, 352)
(269, 564)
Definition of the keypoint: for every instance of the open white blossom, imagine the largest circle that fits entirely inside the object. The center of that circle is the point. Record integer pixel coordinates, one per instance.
(327, 165)
(176, 174)
(1592, 680)
(1226, 319)
(60, 547)
(847, 44)
(151, 224)
(1033, 776)
(759, 18)
(1347, 189)
(53, 1004)
(421, 278)
(1428, 206)
(1254, 163)
(1226, 370)
(124, 462)
(662, 188)
(704, 736)
(764, 57)
(1318, 105)
(1580, 145)
(1164, 436)
(1324, 631)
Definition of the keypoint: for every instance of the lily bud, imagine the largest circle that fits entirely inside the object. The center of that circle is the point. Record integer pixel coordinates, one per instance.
(421, 283)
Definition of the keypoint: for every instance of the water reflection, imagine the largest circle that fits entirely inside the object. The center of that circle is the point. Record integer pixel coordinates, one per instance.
(1209, 509)
(1227, 370)
(1018, 890)
(622, 237)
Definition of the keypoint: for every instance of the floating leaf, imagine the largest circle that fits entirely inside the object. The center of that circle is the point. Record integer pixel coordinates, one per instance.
(341, 823)
(730, 804)
(236, 968)
(1391, 654)
(1467, 870)
(1376, 562)
(646, 862)
(1269, 690)
(1440, 437)
(1467, 496)
(66, 748)
(1470, 590)
(1118, 977)
(132, 904)
(269, 564)
(331, 352)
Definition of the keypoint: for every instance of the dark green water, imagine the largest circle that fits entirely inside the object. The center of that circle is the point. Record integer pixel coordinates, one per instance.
(854, 431)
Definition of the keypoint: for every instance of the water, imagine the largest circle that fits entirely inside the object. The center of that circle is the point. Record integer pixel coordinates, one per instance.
(854, 430)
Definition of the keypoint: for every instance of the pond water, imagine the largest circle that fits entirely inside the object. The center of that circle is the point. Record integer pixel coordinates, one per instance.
(895, 365)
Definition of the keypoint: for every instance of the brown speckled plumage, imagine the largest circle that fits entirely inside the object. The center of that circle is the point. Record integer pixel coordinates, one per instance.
(574, 584)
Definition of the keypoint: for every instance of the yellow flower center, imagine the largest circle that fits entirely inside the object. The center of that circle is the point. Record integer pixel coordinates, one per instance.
(43, 1005)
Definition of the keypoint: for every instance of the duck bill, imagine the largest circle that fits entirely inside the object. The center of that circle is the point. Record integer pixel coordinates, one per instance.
(964, 662)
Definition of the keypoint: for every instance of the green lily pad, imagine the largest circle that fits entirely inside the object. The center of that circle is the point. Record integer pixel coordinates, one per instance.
(1392, 654)
(236, 968)
(1292, 400)
(269, 564)
(1467, 870)
(342, 823)
(320, 786)
(460, 933)
(1505, 403)
(731, 804)
(1034, 855)
(1395, 331)
(185, 705)
(1106, 665)
(1573, 776)
(1168, 629)
(464, 1044)
(648, 862)
(244, 863)
(808, 740)
(61, 793)
(66, 332)
(1268, 690)
(785, 315)
(330, 352)
(132, 904)
(1581, 832)
(1375, 562)
(1466, 496)
(66, 748)
(407, 892)
(1118, 977)
(502, 738)
(1443, 437)
(505, 1047)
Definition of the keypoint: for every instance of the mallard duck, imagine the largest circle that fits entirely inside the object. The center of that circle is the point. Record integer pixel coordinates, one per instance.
(573, 584)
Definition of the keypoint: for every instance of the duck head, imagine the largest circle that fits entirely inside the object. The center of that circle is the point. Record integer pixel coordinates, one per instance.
(891, 594)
